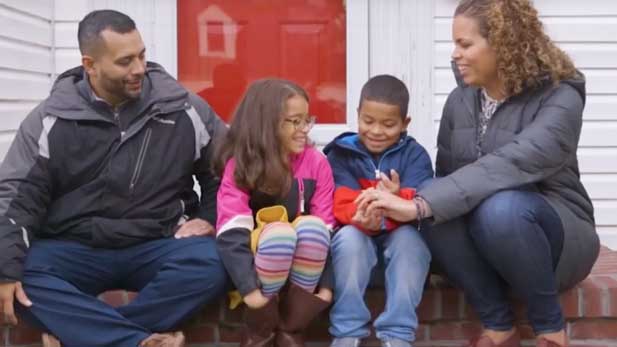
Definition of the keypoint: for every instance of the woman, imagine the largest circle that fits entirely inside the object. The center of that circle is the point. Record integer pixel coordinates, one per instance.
(271, 176)
(508, 204)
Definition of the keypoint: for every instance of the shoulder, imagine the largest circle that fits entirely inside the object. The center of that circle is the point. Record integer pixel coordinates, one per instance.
(315, 158)
(411, 144)
(312, 154)
(230, 164)
(459, 93)
(565, 93)
(459, 99)
(201, 106)
(313, 162)
(33, 123)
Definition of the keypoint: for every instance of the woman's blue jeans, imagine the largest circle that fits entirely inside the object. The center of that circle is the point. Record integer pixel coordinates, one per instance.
(512, 240)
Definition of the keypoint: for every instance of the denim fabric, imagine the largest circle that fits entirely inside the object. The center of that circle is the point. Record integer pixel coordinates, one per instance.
(512, 240)
(406, 259)
(174, 277)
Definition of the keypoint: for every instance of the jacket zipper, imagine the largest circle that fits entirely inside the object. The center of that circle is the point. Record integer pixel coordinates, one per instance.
(378, 167)
(301, 195)
(140, 160)
(378, 176)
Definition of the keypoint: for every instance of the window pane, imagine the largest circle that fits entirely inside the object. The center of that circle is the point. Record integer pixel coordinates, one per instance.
(225, 44)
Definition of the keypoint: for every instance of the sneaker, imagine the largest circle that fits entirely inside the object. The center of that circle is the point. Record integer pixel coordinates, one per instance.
(393, 342)
(345, 342)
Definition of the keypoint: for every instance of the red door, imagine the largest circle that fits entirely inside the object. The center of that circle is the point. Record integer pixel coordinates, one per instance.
(225, 44)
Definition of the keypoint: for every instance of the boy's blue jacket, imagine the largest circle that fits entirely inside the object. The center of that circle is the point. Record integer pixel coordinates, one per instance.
(355, 169)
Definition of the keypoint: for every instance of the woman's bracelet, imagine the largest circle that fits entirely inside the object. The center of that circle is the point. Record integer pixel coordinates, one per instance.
(419, 211)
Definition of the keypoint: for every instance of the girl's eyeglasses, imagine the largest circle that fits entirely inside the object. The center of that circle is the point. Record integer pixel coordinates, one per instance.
(301, 123)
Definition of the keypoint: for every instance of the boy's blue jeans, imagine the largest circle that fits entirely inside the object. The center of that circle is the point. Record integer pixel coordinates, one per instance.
(406, 260)
(513, 239)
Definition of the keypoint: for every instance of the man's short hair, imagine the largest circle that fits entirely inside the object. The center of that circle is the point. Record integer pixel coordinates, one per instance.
(91, 26)
(388, 90)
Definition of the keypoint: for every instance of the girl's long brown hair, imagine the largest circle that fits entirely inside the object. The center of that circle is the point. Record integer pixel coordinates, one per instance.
(526, 56)
(253, 139)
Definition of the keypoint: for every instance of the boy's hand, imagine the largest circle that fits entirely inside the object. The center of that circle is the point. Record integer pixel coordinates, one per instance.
(368, 220)
(392, 184)
(392, 206)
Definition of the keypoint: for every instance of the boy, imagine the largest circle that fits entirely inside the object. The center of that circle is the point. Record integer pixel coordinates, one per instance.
(364, 160)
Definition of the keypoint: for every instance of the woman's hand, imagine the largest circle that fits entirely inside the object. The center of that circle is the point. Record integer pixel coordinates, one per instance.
(255, 299)
(393, 206)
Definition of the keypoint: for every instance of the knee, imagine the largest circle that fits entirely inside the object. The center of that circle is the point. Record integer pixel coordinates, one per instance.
(197, 250)
(499, 213)
(350, 239)
(312, 230)
(279, 232)
(311, 222)
(352, 250)
(406, 242)
(199, 262)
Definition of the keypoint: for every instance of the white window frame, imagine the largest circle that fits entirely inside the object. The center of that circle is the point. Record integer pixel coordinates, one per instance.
(414, 49)
(165, 51)
(357, 63)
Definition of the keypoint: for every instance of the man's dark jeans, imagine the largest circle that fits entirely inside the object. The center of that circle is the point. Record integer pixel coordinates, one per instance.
(174, 278)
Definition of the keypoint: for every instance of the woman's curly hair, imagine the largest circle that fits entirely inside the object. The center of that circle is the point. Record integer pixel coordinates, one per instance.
(526, 56)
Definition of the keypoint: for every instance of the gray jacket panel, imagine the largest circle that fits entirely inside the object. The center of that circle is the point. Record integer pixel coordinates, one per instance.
(530, 144)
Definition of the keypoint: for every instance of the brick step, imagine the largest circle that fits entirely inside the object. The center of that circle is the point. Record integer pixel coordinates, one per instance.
(445, 319)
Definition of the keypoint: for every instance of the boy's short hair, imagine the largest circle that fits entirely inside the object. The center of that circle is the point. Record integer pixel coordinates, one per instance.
(387, 89)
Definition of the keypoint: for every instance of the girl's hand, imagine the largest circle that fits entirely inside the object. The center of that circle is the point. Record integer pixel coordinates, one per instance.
(325, 294)
(392, 184)
(255, 299)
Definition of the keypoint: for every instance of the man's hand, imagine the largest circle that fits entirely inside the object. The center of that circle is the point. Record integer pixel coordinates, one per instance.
(194, 227)
(255, 299)
(392, 184)
(9, 291)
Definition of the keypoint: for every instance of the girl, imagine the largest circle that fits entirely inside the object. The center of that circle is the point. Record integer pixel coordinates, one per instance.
(271, 176)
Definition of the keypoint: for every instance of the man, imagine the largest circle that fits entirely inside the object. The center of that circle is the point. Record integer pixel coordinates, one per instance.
(96, 193)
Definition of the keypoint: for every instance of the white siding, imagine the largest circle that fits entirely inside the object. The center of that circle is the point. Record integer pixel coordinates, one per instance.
(587, 30)
(38, 41)
(397, 47)
(407, 38)
(25, 63)
(155, 20)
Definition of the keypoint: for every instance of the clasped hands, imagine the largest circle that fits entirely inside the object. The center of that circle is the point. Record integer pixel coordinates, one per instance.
(383, 201)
